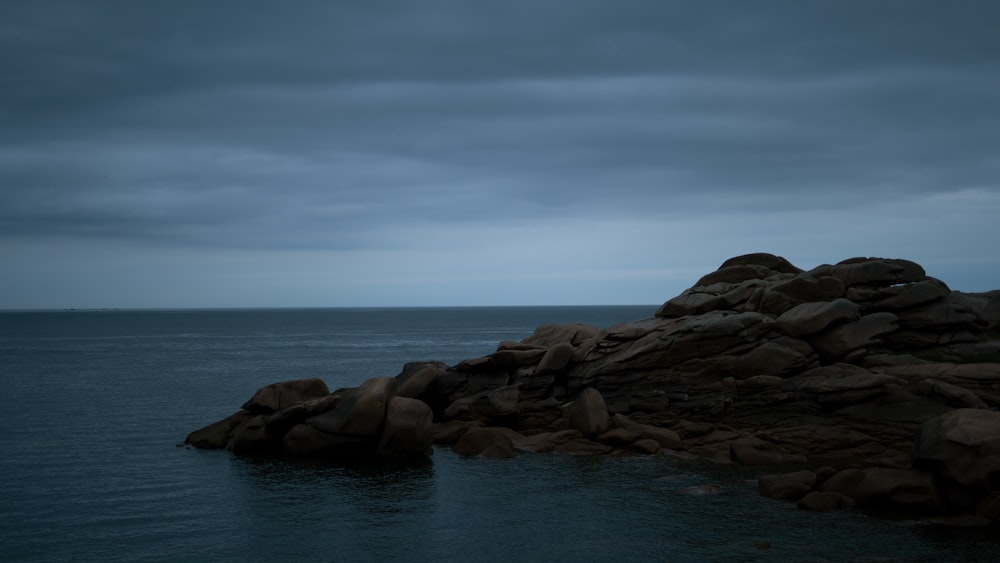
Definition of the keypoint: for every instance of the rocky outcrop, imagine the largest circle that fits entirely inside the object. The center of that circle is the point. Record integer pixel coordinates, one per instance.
(758, 363)
(367, 420)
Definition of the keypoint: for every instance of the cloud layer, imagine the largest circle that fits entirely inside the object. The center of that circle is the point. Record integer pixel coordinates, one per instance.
(453, 152)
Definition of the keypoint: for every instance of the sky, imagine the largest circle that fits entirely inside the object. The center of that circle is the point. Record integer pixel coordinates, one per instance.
(463, 152)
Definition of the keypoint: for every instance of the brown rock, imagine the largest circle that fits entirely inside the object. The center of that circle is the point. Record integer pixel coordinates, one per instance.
(517, 358)
(284, 419)
(665, 437)
(837, 342)
(478, 440)
(408, 428)
(215, 436)
(898, 490)
(844, 482)
(360, 413)
(284, 394)
(788, 486)
(646, 446)
(253, 437)
(842, 377)
(689, 303)
(989, 507)
(486, 405)
(937, 315)
(824, 473)
(448, 433)
(951, 394)
(549, 335)
(810, 318)
(781, 357)
(912, 294)
(619, 437)
(803, 288)
(693, 428)
(875, 271)
(589, 414)
(749, 450)
(963, 446)
(415, 383)
(734, 274)
(818, 501)
(769, 261)
(555, 359)
(305, 440)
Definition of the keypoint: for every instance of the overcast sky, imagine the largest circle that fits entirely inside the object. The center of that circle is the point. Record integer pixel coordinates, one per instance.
(409, 153)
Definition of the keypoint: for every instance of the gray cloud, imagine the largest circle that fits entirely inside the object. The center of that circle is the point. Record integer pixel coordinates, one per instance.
(342, 125)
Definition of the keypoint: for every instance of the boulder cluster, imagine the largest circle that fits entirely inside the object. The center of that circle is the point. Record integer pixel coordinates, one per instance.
(302, 418)
(878, 380)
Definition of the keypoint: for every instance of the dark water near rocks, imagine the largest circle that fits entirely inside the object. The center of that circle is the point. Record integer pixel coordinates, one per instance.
(94, 403)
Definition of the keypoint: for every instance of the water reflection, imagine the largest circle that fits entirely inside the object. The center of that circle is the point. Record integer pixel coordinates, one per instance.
(376, 485)
(294, 509)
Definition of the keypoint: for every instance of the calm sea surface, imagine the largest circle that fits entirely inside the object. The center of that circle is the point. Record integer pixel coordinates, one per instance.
(95, 402)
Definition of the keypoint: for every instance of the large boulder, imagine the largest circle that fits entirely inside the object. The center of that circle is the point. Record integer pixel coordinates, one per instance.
(782, 356)
(951, 394)
(750, 450)
(819, 501)
(486, 405)
(279, 396)
(664, 437)
(734, 274)
(839, 341)
(492, 441)
(549, 335)
(774, 263)
(810, 318)
(353, 425)
(589, 413)
(902, 490)
(254, 437)
(776, 299)
(786, 486)
(306, 441)
(962, 446)
(417, 378)
(216, 436)
(556, 358)
(690, 303)
(408, 429)
(874, 272)
(912, 294)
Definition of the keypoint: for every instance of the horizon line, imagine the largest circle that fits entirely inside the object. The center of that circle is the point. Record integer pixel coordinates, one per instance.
(305, 308)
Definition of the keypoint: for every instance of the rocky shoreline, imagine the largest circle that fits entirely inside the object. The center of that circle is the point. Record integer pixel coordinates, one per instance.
(877, 382)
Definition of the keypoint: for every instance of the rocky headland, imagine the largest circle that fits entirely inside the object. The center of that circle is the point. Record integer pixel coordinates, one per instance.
(875, 382)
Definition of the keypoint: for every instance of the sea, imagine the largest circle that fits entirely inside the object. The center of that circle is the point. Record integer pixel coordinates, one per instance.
(97, 403)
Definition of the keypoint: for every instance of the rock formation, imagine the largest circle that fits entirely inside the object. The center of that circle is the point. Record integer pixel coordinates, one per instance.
(868, 365)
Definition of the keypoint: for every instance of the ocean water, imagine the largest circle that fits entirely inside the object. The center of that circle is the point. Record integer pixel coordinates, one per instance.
(96, 402)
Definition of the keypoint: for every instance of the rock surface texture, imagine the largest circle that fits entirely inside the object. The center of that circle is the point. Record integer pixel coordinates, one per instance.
(867, 365)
